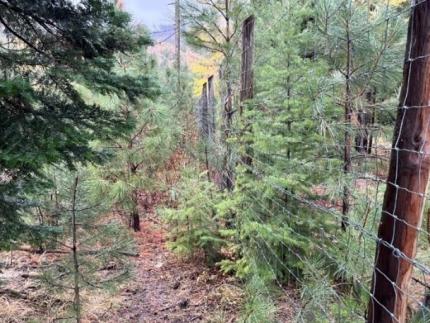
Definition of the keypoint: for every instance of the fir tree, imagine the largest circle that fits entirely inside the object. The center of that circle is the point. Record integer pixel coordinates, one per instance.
(286, 115)
(47, 48)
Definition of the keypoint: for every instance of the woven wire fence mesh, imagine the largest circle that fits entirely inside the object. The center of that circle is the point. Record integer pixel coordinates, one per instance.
(339, 156)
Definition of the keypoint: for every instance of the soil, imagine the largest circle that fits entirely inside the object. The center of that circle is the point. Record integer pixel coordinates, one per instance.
(169, 289)
(166, 288)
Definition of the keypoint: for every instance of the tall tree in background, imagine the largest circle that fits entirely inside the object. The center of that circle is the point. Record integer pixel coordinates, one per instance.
(46, 48)
(178, 41)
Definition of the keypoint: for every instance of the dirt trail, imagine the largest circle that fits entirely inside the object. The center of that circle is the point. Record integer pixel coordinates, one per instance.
(163, 288)
(168, 289)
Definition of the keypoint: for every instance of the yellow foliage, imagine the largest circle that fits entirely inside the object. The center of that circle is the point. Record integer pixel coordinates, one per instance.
(397, 2)
(202, 69)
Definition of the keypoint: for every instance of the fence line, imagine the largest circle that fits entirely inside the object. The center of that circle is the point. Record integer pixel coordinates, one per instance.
(390, 293)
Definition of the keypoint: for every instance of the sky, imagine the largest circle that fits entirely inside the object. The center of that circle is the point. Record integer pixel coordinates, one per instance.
(152, 13)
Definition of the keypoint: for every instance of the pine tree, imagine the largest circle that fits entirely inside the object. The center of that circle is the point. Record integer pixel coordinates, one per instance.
(288, 120)
(140, 156)
(365, 67)
(95, 248)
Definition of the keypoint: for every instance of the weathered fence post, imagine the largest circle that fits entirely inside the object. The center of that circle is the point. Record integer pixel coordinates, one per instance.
(247, 71)
(204, 113)
(211, 107)
(407, 179)
(247, 77)
(203, 116)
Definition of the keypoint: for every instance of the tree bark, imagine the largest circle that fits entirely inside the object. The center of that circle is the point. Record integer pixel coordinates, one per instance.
(347, 166)
(247, 79)
(134, 216)
(135, 221)
(247, 72)
(366, 119)
(407, 180)
(204, 114)
(228, 181)
(205, 125)
(76, 273)
(178, 42)
(228, 123)
(211, 108)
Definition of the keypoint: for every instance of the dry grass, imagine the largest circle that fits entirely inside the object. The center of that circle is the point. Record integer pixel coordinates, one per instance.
(25, 298)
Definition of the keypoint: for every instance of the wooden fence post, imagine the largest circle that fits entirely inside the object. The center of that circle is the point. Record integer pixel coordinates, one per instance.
(407, 179)
(247, 71)
(204, 113)
(247, 78)
(204, 126)
(211, 107)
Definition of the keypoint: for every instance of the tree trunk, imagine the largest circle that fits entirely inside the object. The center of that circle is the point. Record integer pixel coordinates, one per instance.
(228, 173)
(228, 123)
(204, 114)
(247, 72)
(76, 273)
(135, 221)
(366, 119)
(347, 166)
(205, 131)
(178, 43)
(407, 179)
(134, 215)
(372, 123)
(207, 163)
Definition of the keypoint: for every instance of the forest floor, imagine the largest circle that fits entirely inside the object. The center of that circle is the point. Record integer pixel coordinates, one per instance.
(163, 288)
(166, 288)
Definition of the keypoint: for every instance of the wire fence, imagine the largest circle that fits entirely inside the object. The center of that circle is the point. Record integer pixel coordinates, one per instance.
(344, 168)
